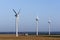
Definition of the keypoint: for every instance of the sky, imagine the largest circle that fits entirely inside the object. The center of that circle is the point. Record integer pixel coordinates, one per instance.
(29, 10)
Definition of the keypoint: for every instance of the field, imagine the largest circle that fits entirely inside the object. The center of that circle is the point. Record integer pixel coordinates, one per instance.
(28, 37)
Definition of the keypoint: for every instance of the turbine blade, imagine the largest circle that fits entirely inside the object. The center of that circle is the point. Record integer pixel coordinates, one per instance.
(14, 11)
(19, 11)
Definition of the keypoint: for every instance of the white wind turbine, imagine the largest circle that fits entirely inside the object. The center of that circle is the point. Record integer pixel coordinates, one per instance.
(37, 20)
(49, 22)
(17, 21)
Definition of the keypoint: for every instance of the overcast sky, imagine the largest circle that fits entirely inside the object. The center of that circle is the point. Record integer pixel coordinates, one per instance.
(29, 10)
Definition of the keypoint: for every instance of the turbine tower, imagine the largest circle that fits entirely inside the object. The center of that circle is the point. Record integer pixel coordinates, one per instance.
(37, 20)
(49, 22)
(16, 21)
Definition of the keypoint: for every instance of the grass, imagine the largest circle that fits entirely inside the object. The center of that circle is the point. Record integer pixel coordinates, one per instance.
(29, 37)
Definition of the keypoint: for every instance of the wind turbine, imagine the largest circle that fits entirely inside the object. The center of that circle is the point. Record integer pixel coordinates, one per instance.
(17, 21)
(49, 22)
(37, 20)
